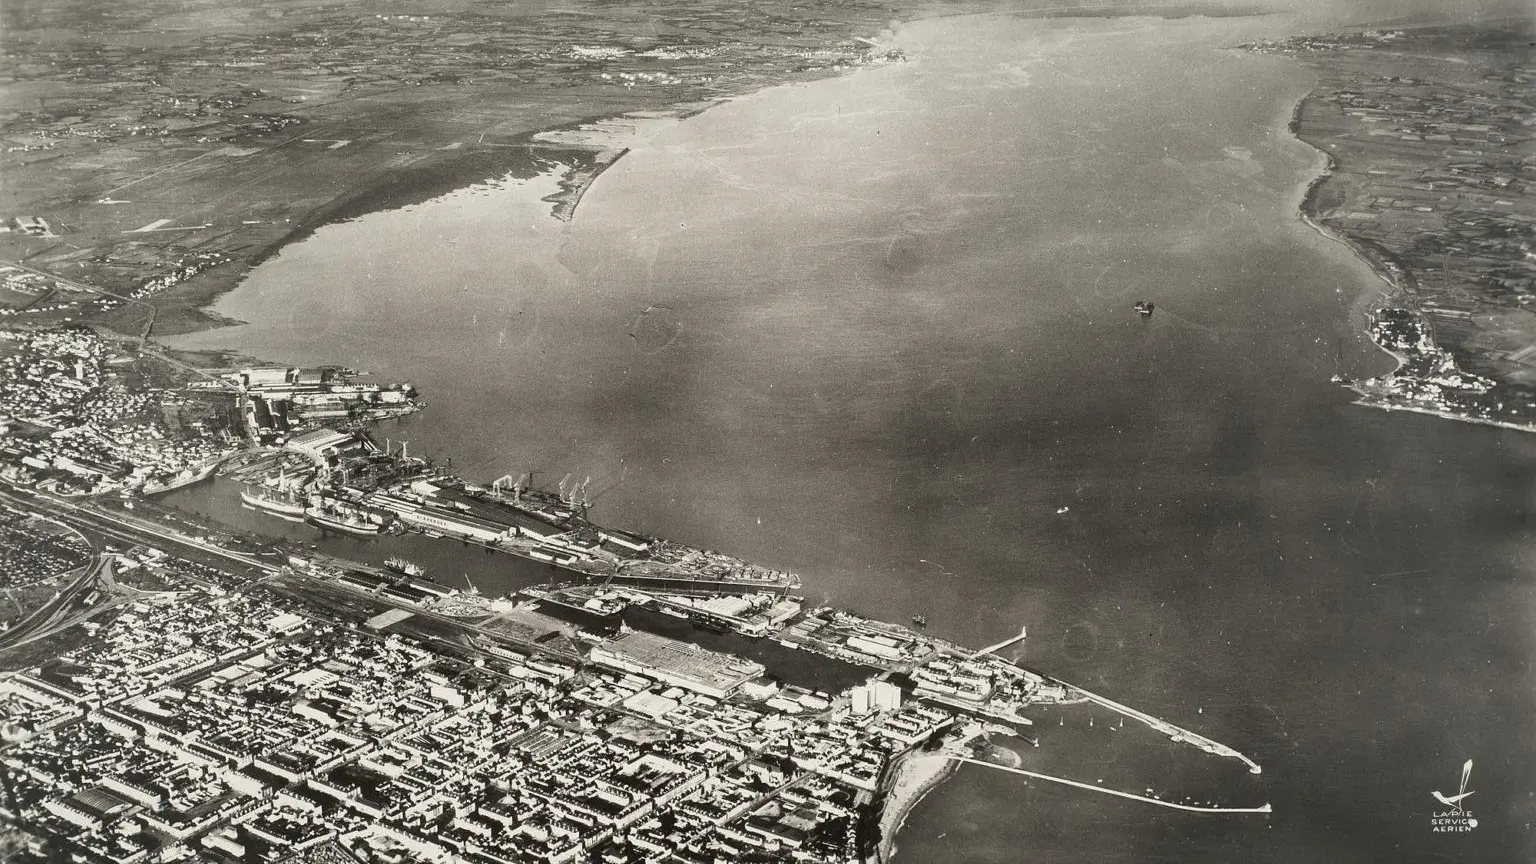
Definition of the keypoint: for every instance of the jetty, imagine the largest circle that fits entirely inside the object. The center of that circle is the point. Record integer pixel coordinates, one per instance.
(1179, 735)
(1193, 808)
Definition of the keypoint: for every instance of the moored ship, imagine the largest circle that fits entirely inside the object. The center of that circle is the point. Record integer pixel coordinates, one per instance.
(274, 500)
(343, 523)
(184, 477)
(332, 514)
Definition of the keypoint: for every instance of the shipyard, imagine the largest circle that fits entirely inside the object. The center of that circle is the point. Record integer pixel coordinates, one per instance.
(341, 479)
(684, 704)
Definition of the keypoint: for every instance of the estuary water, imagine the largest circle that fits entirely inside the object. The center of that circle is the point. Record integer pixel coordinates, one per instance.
(878, 329)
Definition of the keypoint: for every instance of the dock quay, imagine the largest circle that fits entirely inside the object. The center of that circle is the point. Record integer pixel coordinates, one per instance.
(1177, 734)
(696, 584)
(1192, 808)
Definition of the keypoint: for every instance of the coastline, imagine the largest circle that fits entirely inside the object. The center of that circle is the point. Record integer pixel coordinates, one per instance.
(921, 773)
(437, 175)
(1388, 271)
(1396, 277)
(1401, 288)
(914, 775)
(581, 150)
(1366, 401)
(1311, 215)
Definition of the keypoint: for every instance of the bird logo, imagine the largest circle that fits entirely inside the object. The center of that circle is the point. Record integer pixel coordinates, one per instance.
(1454, 801)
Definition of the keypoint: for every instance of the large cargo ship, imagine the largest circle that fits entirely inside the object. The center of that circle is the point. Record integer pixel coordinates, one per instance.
(554, 529)
(334, 514)
(342, 522)
(185, 477)
(274, 500)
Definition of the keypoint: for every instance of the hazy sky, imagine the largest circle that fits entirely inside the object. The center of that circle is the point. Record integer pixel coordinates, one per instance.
(1366, 11)
(1335, 13)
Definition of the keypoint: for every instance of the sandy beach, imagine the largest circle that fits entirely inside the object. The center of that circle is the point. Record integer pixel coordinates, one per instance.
(916, 774)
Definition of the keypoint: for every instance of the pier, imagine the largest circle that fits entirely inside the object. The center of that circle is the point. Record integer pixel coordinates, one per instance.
(1183, 736)
(993, 649)
(1192, 808)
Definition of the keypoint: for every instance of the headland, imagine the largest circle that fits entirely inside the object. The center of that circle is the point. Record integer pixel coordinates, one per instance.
(1420, 130)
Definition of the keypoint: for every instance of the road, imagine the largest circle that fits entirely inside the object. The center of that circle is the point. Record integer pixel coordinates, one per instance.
(51, 616)
(136, 531)
(148, 325)
(81, 286)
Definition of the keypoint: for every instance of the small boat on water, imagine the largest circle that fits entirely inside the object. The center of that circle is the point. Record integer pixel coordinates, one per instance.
(1144, 308)
(404, 567)
(920, 620)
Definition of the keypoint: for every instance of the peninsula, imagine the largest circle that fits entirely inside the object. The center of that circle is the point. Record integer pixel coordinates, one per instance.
(1428, 180)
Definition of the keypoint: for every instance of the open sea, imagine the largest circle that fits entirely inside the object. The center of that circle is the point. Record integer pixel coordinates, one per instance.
(877, 329)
